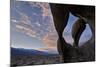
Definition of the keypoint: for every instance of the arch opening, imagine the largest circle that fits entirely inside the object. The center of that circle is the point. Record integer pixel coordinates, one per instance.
(86, 35)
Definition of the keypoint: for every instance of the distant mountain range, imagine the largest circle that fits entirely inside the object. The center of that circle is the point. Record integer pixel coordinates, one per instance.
(27, 52)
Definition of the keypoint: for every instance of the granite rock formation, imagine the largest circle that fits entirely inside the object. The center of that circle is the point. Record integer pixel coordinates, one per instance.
(86, 15)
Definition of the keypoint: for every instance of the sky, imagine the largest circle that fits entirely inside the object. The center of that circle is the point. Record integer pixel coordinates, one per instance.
(32, 27)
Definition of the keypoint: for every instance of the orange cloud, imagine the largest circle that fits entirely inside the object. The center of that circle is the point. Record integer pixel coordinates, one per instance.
(50, 40)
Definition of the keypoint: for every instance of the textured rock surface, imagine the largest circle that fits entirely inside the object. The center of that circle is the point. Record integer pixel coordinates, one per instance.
(70, 53)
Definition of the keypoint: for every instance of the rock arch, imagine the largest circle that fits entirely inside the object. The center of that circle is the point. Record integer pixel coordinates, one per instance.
(86, 14)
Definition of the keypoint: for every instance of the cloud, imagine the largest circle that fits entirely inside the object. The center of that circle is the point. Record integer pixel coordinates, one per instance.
(38, 27)
(14, 20)
(45, 9)
(24, 19)
(35, 14)
(27, 30)
(50, 50)
(38, 24)
(44, 30)
(50, 40)
(24, 25)
(43, 6)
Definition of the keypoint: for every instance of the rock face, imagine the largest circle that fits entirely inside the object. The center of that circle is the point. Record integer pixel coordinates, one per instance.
(86, 14)
(60, 16)
(77, 29)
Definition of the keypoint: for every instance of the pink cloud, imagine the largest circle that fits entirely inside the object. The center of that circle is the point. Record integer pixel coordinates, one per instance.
(50, 40)
(24, 19)
(44, 7)
(27, 30)
(24, 25)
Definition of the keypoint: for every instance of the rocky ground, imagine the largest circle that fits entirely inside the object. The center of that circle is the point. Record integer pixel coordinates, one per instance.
(35, 60)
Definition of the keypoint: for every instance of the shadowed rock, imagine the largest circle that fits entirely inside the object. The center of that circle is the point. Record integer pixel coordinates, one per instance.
(60, 14)
(77, 29)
